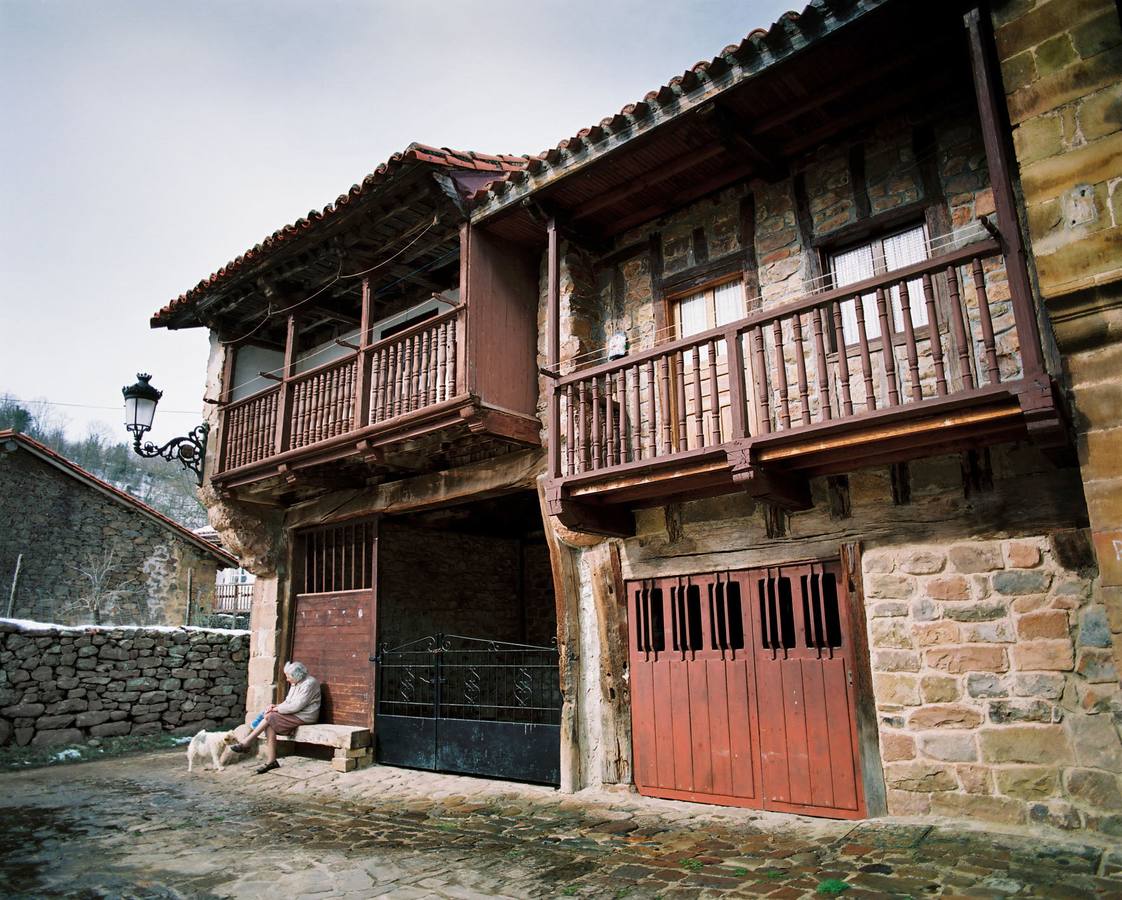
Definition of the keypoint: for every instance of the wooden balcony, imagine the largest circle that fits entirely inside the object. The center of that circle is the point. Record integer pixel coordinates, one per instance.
(952, 362)
(395, 405)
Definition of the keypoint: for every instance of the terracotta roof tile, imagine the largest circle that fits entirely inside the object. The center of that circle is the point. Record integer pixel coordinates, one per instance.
(502, 166)
(778, 38)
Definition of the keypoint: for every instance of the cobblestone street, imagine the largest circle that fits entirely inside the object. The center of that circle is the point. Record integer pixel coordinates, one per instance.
(143, 827)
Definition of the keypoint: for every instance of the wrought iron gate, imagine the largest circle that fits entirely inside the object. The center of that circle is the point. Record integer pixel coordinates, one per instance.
(470, 705)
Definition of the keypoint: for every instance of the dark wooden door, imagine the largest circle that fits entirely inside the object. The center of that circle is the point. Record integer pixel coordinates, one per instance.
(334, 627)
(741, 690)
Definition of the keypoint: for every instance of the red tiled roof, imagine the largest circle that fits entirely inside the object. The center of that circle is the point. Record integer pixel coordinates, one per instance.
(760, 48)
(61, 462)
(469, 160)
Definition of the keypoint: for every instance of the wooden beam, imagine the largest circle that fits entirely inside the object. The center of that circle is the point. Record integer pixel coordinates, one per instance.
(588, 518)
(553, 344)
(991, 112)
(284, 399)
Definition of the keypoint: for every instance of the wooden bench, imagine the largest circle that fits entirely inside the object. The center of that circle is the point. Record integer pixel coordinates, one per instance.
(352, 744)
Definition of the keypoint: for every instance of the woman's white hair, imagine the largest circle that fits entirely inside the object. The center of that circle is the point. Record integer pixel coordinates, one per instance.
(297, 671)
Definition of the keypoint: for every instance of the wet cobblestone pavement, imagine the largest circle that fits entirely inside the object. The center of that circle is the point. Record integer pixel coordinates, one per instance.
(142, 827)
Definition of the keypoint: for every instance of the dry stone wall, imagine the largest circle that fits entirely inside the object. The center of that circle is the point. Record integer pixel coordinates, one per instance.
(68, 685)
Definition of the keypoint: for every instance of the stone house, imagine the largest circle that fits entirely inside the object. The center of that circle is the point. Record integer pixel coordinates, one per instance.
(809, 359)
(88, 552)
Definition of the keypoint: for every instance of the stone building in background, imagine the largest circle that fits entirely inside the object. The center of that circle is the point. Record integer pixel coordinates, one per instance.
(87, 552)
(821, 338)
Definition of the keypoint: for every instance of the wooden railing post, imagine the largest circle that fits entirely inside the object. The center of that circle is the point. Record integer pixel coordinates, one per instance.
(987, 80)
(284, 401)
(362, 362)
(738, 408)
(553, 346)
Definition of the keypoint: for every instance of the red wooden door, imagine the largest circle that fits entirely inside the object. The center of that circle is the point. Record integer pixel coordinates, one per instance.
(334, 626)
(741, 690)
(693, 689)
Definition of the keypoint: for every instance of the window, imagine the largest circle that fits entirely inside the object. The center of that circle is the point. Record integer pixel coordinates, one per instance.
(709, 308)
(872, 258)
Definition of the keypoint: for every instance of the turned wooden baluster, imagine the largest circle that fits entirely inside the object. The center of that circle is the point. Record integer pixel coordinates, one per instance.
(415, 396)
(637, 412)
(609, 419)
(820, 364)
(378, 367)
(230, 432)
(453, 384)
(993, 374)
(621, 415)
(800, 367)
(887, 350)
(442, 363)
(910, 341)
(597, 448)
(714, 396)
(763, 388)
(936, 338)
(423, 377)
(781, 374)
(843, 362)
(866, 361)
(652, 409)
(958, 328)
(298, 410)
(699, 419)
(667, 434)
(571, 430)
(582, 445)
(406, 357)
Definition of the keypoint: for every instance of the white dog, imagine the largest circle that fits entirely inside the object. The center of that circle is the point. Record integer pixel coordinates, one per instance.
(213, 742)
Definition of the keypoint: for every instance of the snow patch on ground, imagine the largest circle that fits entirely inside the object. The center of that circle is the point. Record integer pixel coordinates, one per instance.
(29, 626)
(69, 753)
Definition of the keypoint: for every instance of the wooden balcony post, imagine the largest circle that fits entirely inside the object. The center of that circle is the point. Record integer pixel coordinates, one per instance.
(738, 418)
(229, 354)
(553, 345)
(284, 401)
(987, 81)
(362, 362)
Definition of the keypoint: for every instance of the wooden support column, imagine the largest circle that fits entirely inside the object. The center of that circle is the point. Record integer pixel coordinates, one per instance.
(284, 400)
(610, 601)
(363, 374)
(229, 356)
(987, 81)
(553, 345)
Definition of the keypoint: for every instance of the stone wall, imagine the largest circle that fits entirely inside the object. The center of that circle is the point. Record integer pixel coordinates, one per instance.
(67, 685)
(1061, 62)
(995, 684)
(80, 546)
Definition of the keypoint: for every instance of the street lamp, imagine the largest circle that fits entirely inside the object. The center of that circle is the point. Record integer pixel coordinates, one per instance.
(140, 409)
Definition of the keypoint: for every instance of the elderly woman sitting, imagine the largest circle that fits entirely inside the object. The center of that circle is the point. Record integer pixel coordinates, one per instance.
(300, 707)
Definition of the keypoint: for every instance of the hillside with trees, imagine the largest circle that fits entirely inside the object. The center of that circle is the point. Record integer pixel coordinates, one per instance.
(164, 486)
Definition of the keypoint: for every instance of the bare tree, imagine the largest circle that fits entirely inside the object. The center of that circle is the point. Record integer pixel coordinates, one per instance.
(104, 590)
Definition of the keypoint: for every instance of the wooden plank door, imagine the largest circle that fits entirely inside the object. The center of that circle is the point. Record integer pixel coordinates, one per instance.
(807, 704)
(335, 618)
(693, 706)
(742, 690)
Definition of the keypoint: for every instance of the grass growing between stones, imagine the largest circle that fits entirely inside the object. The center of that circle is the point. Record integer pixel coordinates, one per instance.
(831, 887)
(13, 758)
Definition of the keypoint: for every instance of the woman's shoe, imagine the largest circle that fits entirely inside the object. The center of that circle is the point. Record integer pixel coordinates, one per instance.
(268, 767)
(238, 748)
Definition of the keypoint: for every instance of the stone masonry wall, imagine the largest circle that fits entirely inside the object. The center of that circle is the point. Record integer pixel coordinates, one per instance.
(67, 531)
(995, 685)
(68, 685)
(1061, 64)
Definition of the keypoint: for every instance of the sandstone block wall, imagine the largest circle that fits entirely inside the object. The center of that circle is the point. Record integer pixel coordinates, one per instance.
(995, 684)
(69, 533)
(68, 685)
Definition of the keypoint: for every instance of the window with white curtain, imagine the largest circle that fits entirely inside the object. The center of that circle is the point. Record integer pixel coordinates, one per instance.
(709, 308)
(876, 257)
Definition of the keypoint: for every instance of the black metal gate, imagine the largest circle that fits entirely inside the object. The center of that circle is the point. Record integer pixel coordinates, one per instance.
(470, 705)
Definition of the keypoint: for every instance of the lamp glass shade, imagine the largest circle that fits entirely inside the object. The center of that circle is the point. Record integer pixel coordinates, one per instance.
(140, 404)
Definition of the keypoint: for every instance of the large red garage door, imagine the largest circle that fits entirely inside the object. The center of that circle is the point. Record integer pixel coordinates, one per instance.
(742, 690)
(333, 632)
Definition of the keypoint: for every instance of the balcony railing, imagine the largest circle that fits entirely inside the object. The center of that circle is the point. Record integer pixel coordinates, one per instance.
(919, 336)
(376, 386)
(233, 598)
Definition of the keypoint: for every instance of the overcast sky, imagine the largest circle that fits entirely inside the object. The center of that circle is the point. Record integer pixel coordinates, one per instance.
(144, 144)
